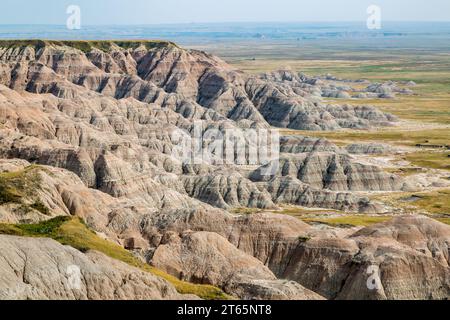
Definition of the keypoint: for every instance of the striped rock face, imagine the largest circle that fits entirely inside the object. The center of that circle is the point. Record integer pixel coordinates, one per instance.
(92, 130)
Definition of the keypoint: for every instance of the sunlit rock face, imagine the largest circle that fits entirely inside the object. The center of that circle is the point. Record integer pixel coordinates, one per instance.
(99, 121)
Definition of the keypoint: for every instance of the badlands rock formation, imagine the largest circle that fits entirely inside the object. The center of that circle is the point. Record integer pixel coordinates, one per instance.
(410, 256)
(110, 115)
(331, 87)
(87, 129)
(369, 148)
(41, 269)
(206, 257)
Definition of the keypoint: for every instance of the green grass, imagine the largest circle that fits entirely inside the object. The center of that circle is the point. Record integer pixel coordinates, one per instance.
(436, 202)
(295, 211)
(73, 232)
(243, 211)
(390, 135)
(19, 185)
(39, 206)
(20, 188)
(331, 217)
(444, 220)
(349, 220)
(404, 171)
(429, 159)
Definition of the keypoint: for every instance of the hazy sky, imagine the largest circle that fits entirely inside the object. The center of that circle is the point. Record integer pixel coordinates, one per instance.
(186, 11)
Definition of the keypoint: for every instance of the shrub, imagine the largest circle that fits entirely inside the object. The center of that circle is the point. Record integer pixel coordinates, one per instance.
(39, 206)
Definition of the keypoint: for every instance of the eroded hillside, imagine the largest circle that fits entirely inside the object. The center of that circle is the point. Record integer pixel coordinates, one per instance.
(87, 130)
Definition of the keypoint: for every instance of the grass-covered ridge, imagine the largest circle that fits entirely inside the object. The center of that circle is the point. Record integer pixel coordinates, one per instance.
(87, 45)
(73, 232)
(20, 188)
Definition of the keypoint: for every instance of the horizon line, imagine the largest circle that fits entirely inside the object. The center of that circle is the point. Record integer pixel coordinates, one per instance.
(227, 22)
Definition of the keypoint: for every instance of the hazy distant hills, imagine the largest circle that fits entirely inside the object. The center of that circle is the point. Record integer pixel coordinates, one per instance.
(200, 32)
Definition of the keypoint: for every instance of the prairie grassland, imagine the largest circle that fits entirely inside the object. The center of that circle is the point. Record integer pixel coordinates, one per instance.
(434, 203)
(393, 135)
(429, 159)
(332, 217)
(326, 216)
(350, 220)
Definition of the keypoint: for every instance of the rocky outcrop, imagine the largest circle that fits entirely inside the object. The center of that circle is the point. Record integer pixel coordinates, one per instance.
(114, 108)
(208, 258)
(289, 190)
(282, 107)
(227, 190)
(41, 269)
(324, 180)
(124, 147)
(329, 86)
(187, 81)
(300, 144)
(388, 90)
(336, 172)
(340, 265)
(406, 258)
(369, 148)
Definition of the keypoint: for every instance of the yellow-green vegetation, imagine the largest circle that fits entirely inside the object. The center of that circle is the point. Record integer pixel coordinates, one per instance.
(438, 136)
(292, 210)
(18, 185)
(86, 45)
(73, 232)
(246, 210)
(435, 204)
(48, 228)
(349, 220)
(14, 184)
(444, 220)
(288, 210)
(331, 217)
(429, 159)
(404, 171)
(301, 212)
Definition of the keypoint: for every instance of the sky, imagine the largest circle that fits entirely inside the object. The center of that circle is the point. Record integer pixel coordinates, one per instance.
(125, 12)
